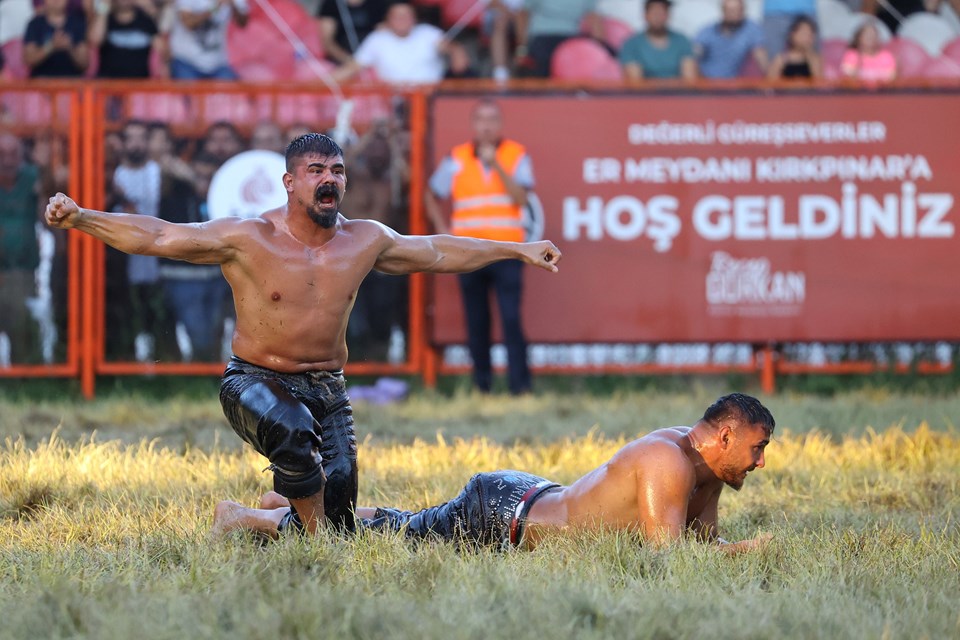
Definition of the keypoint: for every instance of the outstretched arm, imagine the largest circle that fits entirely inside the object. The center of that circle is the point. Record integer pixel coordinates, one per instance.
(454, 254)
(204, 243)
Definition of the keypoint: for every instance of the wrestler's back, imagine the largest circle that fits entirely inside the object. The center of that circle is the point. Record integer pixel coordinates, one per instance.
(607, 495)
(293, 300)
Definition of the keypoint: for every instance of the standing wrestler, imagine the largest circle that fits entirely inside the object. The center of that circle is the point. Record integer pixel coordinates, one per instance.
(661, 486)
(295, 272)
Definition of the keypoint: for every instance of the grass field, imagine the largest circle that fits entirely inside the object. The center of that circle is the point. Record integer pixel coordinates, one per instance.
(103, 535)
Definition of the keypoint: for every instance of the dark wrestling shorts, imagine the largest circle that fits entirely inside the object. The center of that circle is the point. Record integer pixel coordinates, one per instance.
(490, 511)
(303, 424)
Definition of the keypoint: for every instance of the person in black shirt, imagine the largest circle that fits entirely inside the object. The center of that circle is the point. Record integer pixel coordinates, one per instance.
(125, 34)
(799, 60)
(55, 43)
(342, 37)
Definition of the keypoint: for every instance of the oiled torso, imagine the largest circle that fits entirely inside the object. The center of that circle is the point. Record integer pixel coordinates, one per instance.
(293, 299)
(608, 495)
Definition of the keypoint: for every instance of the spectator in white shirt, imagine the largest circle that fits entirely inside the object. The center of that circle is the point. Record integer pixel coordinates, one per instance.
(403, 52)
(198, 38)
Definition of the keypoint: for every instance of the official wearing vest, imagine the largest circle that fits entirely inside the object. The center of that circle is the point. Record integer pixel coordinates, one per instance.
(486, 181)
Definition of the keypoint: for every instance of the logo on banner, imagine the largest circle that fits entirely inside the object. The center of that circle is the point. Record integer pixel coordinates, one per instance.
(750, 287)
(247, 184)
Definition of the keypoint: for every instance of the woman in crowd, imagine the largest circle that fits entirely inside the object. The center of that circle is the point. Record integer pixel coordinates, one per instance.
(800, 58)
(866, 60)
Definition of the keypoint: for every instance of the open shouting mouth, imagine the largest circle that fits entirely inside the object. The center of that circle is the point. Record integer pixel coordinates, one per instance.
(327, 195)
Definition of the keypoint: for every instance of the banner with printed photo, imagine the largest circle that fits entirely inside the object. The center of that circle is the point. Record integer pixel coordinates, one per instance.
(712, 218)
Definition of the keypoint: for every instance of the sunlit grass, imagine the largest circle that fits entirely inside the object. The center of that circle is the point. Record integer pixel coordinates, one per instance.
(103, 537)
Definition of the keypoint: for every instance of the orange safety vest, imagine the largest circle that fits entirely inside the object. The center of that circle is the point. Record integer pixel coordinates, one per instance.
(482, 207)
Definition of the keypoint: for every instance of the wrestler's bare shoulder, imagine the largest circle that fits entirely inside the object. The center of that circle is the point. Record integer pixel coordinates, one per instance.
(263, 224)
(365, 227)
(665, 445)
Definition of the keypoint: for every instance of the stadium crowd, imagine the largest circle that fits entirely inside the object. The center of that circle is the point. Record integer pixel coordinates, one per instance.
(160, 156)
(432, 40)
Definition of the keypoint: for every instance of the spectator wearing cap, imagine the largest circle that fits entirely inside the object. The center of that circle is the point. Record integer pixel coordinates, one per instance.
(544, 25)
(55, 44)
(657, 52)
(404, 52)
(723, 48)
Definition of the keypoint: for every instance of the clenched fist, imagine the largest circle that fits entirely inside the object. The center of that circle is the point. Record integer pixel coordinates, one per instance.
(62, 212)
(543, 254)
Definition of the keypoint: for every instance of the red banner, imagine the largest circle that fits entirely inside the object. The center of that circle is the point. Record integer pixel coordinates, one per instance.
(734, 218)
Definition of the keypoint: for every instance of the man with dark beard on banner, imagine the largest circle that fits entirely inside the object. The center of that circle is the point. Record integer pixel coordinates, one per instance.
(295, 271)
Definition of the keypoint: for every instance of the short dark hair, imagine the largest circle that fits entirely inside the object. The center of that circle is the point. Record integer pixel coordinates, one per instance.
(739, 406)
(798, 22)
(485, 101)
(224, 124)
(311, 143)
(143, 124)
(855, 40)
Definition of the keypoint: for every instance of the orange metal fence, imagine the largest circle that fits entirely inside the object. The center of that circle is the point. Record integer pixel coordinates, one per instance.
(85, 114)
(51, 114)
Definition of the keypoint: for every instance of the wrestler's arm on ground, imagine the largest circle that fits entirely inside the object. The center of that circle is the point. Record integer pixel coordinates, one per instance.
(203, 243)
(735, 548)
(453, 254)
(664, 486)
(704, 526)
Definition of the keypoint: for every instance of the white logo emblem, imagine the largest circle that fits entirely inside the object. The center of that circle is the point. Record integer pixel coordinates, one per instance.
(248, 184)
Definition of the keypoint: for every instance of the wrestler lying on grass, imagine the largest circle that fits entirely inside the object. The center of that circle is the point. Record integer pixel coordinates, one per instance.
(662, 486)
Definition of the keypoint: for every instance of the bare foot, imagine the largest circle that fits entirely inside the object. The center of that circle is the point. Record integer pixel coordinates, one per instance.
(273, 500)
(227, 516)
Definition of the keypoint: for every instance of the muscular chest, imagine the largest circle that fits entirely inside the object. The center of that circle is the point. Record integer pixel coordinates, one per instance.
(305, 278)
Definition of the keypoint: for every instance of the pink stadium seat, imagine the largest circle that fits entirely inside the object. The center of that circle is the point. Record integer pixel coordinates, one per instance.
(33, 108)
(13, 57)
(304, 72)
(453, 10)
(228, 106)
(299, 109)
(165, 107)
(583, 59)
(952, 50)
(751, 69)
(832, 51)
(261, 43)
(367, 109)
(911, 57)
(943, 67)
(615, 32)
